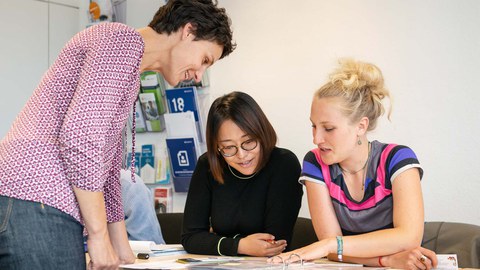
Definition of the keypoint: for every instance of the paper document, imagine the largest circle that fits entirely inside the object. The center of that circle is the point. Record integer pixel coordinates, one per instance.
(328, 263)
(152, 248)
(181, 125)
(209, 260)
(170, 264)
(447, 262)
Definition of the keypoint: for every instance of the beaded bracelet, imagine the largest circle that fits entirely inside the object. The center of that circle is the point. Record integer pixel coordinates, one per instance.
(340, 248)
(380, 261)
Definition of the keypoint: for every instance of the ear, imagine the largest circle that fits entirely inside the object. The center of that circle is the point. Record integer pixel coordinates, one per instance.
(363, 126)
(187, 31)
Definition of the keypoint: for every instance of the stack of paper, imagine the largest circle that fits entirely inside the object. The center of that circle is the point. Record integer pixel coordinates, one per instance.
(168, 264)
(155, 250)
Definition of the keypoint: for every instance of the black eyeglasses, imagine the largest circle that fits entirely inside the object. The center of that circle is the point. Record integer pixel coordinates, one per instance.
(231, 150)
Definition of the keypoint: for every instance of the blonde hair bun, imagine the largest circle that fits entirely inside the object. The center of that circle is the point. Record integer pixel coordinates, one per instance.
(360, 87)
(359, 76)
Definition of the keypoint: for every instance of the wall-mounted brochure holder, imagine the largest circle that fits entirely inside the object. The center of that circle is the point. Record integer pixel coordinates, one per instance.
(185, 99)
(183, 158)
(183, 147)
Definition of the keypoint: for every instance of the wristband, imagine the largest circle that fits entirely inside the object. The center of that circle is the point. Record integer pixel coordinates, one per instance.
(340, 248)
(218, 246)
(380, 261)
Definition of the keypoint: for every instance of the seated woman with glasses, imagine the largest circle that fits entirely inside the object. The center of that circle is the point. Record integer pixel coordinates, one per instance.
(244, 195)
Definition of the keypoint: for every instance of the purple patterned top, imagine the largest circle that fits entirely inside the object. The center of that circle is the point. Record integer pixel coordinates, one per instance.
(70, 131)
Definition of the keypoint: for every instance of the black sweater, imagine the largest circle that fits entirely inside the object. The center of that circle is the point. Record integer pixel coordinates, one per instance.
(269, 202)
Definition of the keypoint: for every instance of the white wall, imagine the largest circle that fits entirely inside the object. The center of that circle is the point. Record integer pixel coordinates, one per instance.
(428, 50)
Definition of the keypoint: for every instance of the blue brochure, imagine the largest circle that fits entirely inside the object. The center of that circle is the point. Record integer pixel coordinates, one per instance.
(183, 158)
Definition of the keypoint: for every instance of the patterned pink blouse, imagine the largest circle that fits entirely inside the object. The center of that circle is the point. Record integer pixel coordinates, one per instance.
(70, 131)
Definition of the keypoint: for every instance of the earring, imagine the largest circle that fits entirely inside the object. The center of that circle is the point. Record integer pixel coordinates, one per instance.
(359, 142)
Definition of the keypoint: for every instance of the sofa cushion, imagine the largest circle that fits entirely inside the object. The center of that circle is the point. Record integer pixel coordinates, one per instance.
(454, 238)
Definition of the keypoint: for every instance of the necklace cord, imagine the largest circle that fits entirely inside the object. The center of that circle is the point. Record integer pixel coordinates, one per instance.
(240, 177)
(364, 166)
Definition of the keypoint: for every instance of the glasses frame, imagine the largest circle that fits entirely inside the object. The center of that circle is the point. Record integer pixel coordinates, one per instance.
(236, 148)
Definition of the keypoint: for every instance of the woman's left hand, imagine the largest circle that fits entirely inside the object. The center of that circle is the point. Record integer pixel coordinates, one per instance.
(261, 244)
(418, 258)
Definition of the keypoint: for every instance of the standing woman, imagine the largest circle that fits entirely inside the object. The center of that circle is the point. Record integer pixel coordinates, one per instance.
(61, 158)
(365, 197)
(244, 195)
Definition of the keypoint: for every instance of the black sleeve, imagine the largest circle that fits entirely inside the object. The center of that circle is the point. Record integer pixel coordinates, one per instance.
(284, 197)
(196, 236)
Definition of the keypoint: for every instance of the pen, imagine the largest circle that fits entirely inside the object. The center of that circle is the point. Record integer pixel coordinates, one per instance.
(143, 256)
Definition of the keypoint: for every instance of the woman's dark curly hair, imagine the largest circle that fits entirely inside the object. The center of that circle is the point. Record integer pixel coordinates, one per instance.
(209, 21)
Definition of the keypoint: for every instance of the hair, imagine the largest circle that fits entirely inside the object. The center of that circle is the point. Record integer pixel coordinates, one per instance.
(244, 111)
(209, 21)
(360, 87)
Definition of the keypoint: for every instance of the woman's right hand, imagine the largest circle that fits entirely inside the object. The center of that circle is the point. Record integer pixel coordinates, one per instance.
(100, 249)
(101, 253)
(261, 245)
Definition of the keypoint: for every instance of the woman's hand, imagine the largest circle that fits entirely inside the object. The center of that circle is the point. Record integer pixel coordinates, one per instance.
(313, 251)
(101, 253)
(100, 249)
(418, 258)
(261, 245)
(126, 256)
(119, 240)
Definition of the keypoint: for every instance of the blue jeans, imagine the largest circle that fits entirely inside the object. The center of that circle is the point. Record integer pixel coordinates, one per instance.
(37, 236)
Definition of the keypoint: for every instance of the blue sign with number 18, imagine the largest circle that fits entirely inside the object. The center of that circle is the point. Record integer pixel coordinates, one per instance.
(182, 100)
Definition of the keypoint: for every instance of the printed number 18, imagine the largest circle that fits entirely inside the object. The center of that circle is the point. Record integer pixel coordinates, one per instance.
(178, 104)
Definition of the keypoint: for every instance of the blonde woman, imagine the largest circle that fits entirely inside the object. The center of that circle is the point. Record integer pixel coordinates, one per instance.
(365, 197)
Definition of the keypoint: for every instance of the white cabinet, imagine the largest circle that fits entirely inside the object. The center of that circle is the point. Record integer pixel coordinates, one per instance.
(71, 3)
(23, 54)
(61, 27)
(31, 34)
